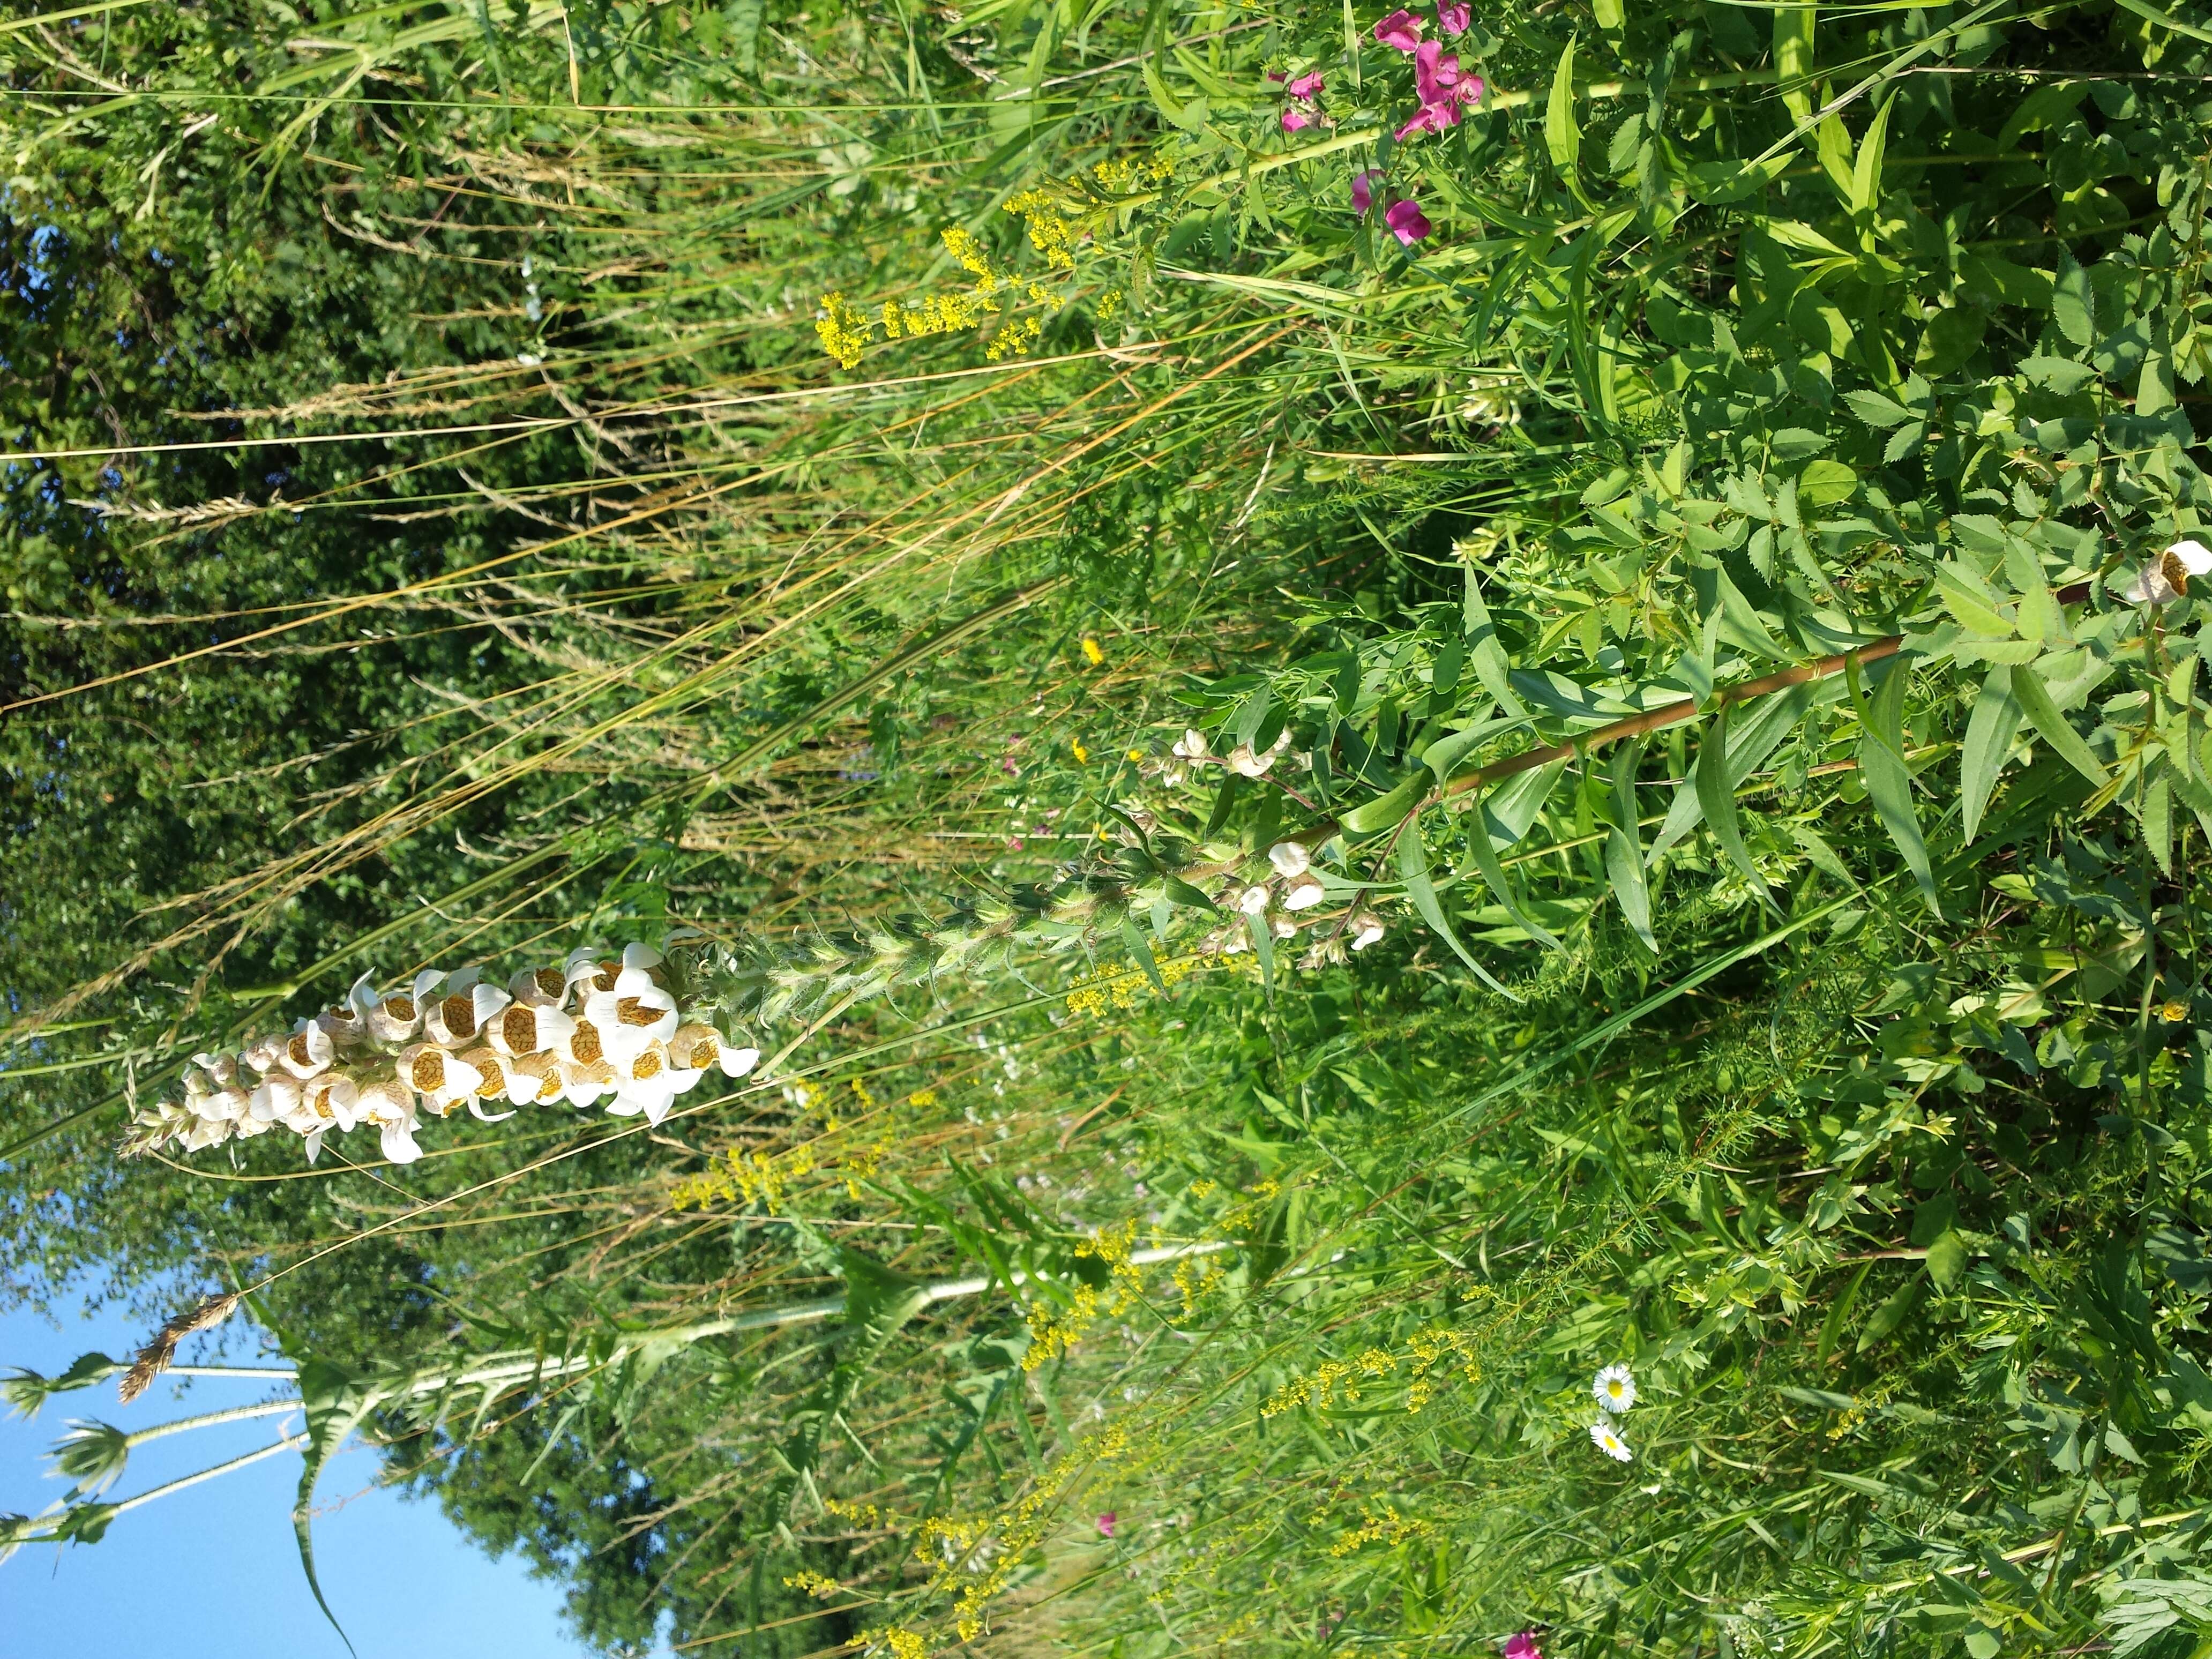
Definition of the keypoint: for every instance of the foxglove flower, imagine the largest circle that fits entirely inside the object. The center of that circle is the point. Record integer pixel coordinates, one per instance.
(694, 1048)
(443, 1080)
(525, 1028)
(461, 1013)
(645, 1084)
(634, 1013)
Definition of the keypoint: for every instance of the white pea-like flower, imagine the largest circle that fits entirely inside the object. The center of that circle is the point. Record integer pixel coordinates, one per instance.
(1614, 1388)
(1606, 1440)
(1253, 901)
(1305, 893)
(1191, 746)
(1246, 764)
(1290, 858)
(2165, 578)
(1282, 927)
(1366, 928)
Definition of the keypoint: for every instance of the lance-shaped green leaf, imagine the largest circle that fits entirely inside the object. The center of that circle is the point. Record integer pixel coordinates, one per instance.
(1717, 798)
(1480, 843)
(1384, 810)
(1990, 732)
(337, 1401)
(1414, 871)
(1563, 134)
(1772, 719)
(2053, 726)
(1624, 856)
(1888, 783)
(1486, 652)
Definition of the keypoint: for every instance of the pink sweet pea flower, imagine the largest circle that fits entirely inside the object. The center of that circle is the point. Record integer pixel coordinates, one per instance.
(1294, 117)
(1363, 190)
(1523, 1646)
(1110, 1519)
(1442, 88)
(1406, 221)
(1452, 18)
(1400, 30)
(1305, 86)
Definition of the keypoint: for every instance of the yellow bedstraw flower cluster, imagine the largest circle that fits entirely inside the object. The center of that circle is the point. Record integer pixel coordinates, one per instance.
(894, 1641)
(814, 1584)
(1124, 175)
(1123, 988)
(1427, 1352)
(593, 1028)
(1053, 1331)
(1385, 1526)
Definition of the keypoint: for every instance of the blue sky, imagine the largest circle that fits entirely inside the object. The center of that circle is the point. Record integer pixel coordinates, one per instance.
(213, 1572)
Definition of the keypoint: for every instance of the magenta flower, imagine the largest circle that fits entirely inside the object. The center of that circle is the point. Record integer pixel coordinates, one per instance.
(1363, 190)
(1454, 15)
(1301, 91)
(1442, 88)
(1107, 1521)
(1406, 221)
(1523, 1646)
(1400, 30)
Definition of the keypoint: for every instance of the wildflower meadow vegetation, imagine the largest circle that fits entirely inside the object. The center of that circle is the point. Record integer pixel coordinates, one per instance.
(1033, 827)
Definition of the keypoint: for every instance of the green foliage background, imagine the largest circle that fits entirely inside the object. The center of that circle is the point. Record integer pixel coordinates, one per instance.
(437, 534)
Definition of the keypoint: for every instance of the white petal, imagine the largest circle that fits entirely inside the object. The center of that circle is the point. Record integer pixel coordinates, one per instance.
(1253, 901)
(399, 1141)
(736, 1062)
(2196, 557)
(1290, 858)
(314, 1145)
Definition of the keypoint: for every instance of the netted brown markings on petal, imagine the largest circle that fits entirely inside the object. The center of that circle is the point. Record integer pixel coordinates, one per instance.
(584, 1044)
(297, 1049)
(647, 1065)
(494, 1083)
(399, 1007)
(2175, 573)
(459, 1013)
(428, 1073)
(632, 1011)
(518, 1027)
(549, 981)
(701, 1052)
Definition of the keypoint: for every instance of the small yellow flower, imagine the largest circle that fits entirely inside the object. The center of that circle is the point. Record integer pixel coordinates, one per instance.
(1083, 756)
(2174, 1012)
(1091, 651)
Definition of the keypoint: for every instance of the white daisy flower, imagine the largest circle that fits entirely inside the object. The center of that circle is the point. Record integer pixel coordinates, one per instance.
(1603, 1437)
(1614, 1388)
